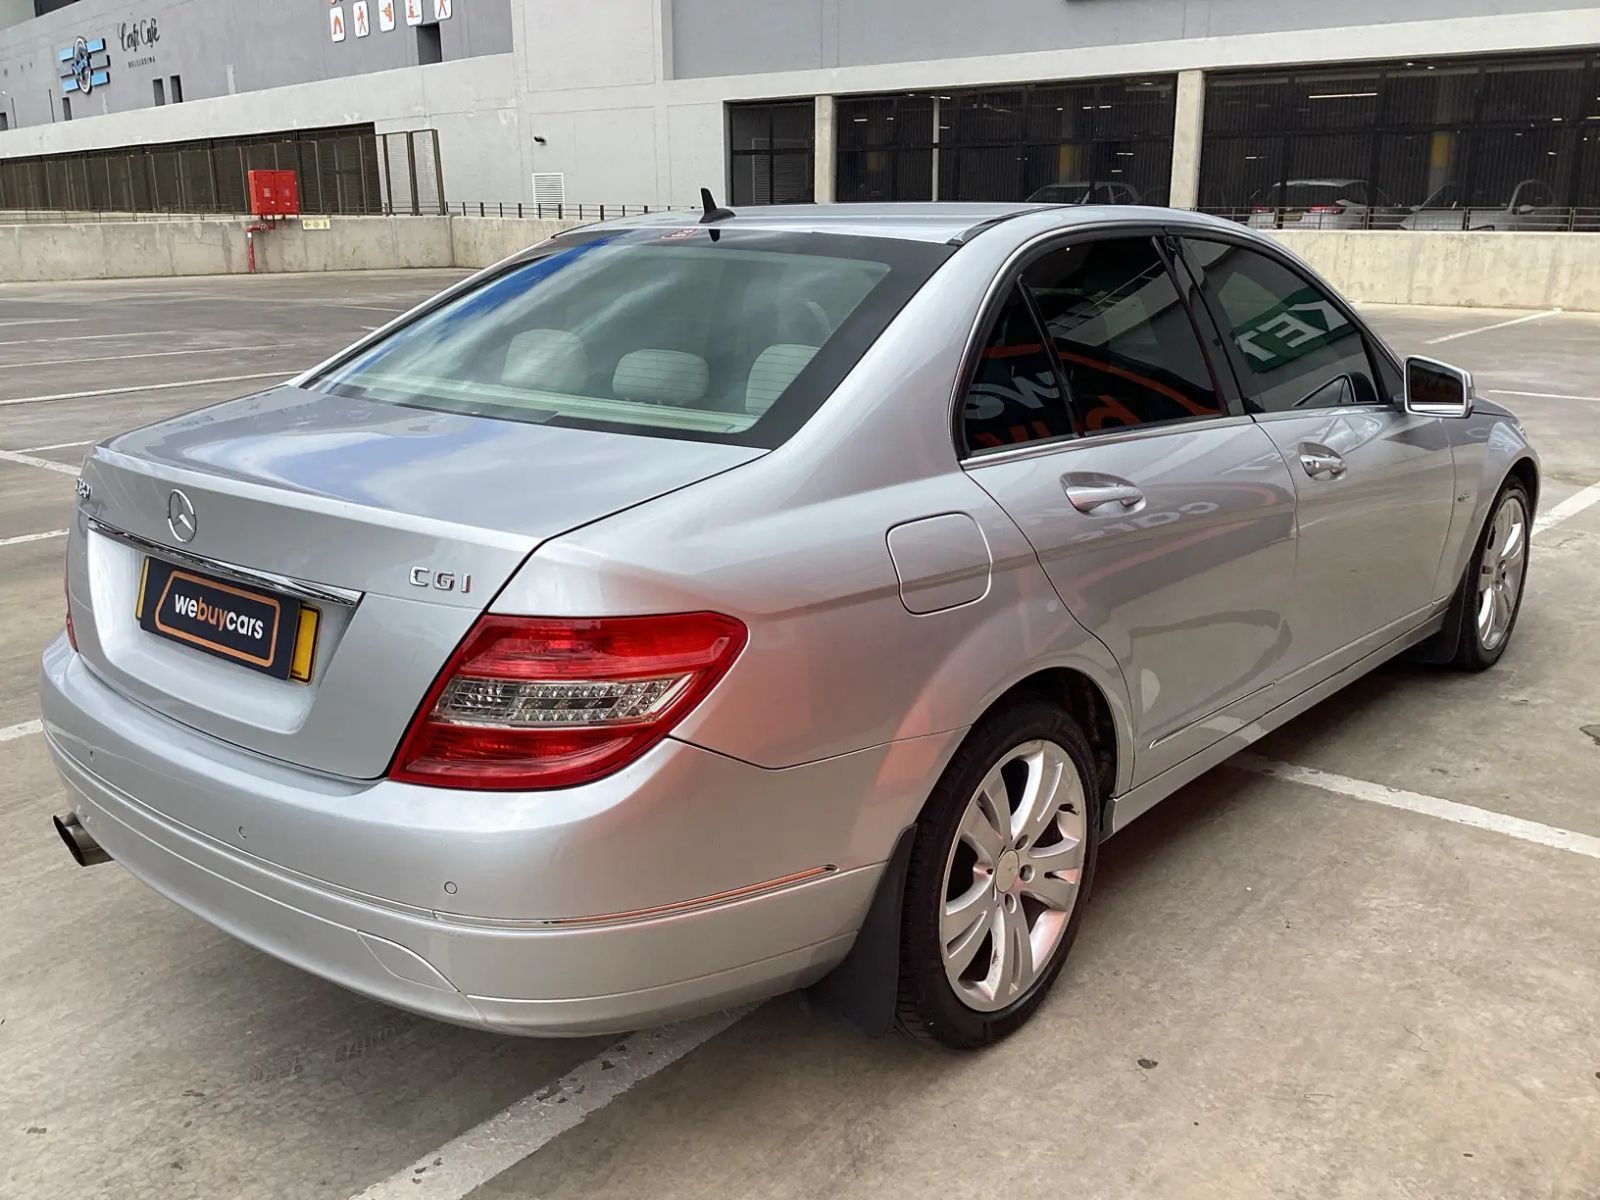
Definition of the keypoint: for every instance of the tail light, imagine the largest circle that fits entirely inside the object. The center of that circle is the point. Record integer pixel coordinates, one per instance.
(1262, 208)
(1326, 209)
(66, 588)
(539, 702)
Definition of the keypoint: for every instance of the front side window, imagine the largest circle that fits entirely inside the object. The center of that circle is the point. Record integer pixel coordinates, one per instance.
(714, 335)
(1297, 348)
(1123, 335)
(1014, 397)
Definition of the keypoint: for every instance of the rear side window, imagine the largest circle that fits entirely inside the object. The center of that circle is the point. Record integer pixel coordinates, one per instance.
(1014, 397)
(1123, 336)
(1297, 348)
(709, 334)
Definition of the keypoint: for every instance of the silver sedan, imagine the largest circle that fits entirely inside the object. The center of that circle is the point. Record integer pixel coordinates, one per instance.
(698, 607)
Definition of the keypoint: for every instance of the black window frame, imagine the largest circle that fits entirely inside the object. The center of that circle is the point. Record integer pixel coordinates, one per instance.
(771, 152)
(1377, 351)
(1011, 277)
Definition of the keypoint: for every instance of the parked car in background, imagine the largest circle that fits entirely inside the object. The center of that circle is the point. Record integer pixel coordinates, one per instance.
(1324, 204)
(683, 611)
(1532, 207)
(1085, 193)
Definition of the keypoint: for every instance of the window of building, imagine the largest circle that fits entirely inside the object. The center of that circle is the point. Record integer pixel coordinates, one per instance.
(1296, 349)
(1089, 142)
(430, 47)
(771, 155)
(1123, 335)
(1373, 144)
(5, 121)
(177, 89)
(1015, 395)
(66, 108)
(158, 89)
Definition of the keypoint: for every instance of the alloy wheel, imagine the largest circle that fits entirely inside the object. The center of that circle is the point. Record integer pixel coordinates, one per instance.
(1500, 572)
(1012, 876)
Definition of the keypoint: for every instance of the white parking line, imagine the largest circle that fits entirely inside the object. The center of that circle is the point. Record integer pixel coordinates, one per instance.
(148, 387)
(1568, 508)
(1429, 806)
(28, 460)
(32, 537)
(51, 446)
(1450, 337)
(492, 1147)
(74, 362)
(42, 321)
(12, 732)
(1543, 395)
(96, 337)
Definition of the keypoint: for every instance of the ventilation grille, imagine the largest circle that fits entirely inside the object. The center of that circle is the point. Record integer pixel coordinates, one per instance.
(549, 187)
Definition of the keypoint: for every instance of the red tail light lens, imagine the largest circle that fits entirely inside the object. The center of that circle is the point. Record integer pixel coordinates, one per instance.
(66, 588)
(1328, 209)
(1262, 208)
(540, 702)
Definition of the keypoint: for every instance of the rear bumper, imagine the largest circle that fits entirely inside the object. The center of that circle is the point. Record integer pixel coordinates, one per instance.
(526, 961)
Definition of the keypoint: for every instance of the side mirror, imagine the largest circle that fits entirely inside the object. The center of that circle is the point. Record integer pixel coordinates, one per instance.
(1525, 210)
(1436, 389)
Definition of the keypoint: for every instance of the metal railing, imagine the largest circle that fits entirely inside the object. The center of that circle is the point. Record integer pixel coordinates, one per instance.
(529, 210)
(1477, 219)
(525, 210)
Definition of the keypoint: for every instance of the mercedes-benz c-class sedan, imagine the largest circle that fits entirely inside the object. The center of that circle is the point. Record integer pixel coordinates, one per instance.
(690, 609)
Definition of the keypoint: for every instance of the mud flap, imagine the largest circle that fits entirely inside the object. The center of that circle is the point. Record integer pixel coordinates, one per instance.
(1441, 647)
(863, 988)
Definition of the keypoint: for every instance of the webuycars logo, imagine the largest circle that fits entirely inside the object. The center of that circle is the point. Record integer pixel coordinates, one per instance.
(217, 617)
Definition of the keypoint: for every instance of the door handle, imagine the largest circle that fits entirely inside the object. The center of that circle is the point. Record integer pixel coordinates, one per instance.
(1088, 498)
(1323, 465)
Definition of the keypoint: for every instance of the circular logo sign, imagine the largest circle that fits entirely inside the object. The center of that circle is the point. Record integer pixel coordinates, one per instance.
(82, 70)
(180, 516)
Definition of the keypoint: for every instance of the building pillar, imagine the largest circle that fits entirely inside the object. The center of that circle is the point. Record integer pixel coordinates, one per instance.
(1188, 124)
(822, 152)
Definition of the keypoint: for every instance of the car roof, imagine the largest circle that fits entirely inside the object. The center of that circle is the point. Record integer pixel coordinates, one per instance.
(937, 221)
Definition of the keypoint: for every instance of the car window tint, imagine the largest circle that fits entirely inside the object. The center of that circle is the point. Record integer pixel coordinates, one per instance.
(1123, 335)
(671, 332)
(1014, 396)
(1298, 349)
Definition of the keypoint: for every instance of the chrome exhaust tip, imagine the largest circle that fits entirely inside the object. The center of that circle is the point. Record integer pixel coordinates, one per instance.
(85, 851)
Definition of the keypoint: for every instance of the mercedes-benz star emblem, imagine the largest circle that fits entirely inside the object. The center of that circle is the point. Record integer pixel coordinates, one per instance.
(180, 516)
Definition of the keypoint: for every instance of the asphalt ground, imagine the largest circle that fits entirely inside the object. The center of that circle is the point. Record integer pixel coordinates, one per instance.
(1302, 976)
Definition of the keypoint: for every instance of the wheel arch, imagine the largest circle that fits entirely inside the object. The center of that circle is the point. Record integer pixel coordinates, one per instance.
(1081, 696)
(1526, 471)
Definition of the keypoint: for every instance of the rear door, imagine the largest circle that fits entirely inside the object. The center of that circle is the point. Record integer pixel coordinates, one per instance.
(1375, 483)
(1164, 520)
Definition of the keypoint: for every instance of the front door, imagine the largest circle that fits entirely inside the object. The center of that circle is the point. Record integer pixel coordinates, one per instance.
(1164, 521)
(1375, 483)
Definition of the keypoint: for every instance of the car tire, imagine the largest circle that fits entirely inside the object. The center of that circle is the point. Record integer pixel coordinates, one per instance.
(1489, 595)
(990, 893)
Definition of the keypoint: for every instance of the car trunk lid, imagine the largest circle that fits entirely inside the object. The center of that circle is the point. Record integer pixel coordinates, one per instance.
(397, 525)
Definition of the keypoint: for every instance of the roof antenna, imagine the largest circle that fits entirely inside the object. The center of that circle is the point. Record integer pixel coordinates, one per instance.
(713, 214)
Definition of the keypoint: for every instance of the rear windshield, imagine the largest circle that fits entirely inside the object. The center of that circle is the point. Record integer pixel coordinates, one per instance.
(714, 335)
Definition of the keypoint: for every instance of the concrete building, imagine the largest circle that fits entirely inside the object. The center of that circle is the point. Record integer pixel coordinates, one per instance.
(1326, 110)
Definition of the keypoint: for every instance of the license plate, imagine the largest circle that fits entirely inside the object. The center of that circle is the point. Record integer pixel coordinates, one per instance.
(261, 630)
